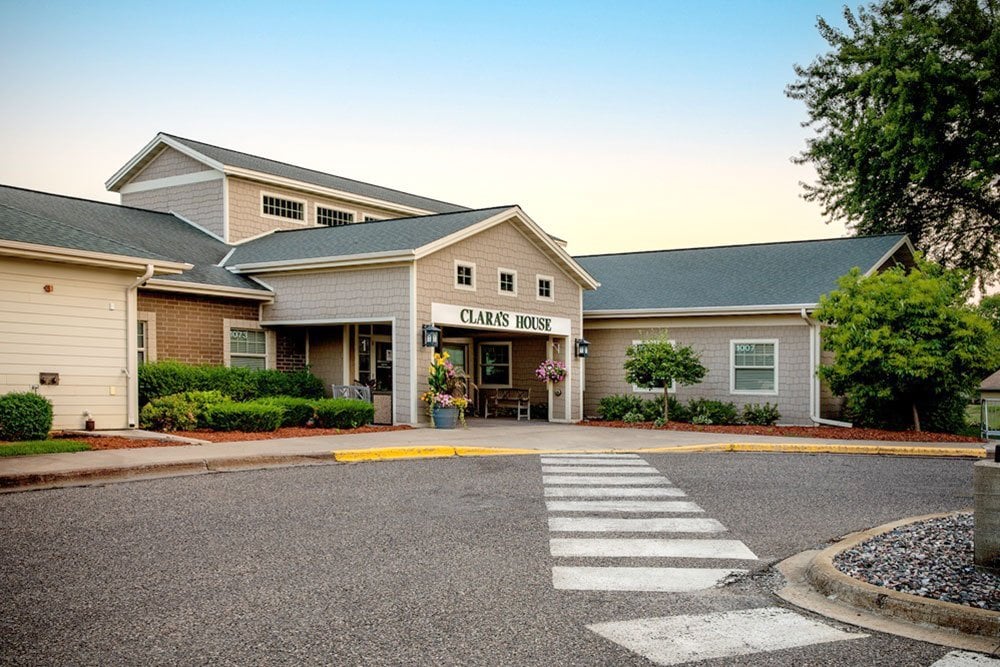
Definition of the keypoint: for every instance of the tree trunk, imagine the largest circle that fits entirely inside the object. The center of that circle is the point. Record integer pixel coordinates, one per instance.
(916, 418)
(666, 406)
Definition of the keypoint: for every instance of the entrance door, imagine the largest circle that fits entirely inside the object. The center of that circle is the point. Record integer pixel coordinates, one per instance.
(383, 366)
(458, 355)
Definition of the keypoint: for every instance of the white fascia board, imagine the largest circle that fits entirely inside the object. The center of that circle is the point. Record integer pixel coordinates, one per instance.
(172, 181)
(324, 191)
(905, 241)
(114, 182)
(222, 262)
(387, 257)
(208, 290)
(74, 256)
(780, 309)
(576, 271)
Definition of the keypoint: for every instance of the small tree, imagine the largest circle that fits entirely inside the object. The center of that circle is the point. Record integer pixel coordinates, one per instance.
(659, 363)
(907, 342)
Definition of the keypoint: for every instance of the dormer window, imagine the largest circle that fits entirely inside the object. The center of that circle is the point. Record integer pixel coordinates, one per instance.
(332, 217)
(279, 207)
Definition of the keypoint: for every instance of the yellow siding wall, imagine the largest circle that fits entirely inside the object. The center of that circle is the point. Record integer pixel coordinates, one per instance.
(77, 330)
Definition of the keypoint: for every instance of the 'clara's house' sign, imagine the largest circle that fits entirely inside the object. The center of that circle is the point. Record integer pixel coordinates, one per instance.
(496, 319)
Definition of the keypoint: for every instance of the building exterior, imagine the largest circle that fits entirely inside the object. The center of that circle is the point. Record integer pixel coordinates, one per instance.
(222, 257)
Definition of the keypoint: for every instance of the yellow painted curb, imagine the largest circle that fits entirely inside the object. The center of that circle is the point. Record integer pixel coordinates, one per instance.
(492, 451)
(387, 453)
(826, 448)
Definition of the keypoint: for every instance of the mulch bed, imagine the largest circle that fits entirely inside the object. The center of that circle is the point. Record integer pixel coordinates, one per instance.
(98, 441)
(814, 432)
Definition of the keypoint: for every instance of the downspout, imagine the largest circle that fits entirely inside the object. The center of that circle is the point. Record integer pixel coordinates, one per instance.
(814, 388)
(131, 386)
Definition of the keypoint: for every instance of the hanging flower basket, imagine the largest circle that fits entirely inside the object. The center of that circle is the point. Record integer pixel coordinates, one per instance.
(551, 371)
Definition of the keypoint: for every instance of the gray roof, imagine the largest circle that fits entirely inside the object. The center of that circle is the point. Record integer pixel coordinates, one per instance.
(399, 234)
(796, 272)
(992, 383)
(30, 216)
(231, 158)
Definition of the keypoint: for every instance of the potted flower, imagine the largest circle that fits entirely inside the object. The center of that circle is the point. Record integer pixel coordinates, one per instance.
(551, 371)
(445, 398)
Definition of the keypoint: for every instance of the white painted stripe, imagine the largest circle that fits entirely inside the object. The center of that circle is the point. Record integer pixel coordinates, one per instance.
(637, 547)
(620, 470)
(582, 479)
(627, 505)
(610, 492)
(966, 659)
(660, 525)
(690, 638)
(658, 579)
(596, 456)
(546, 460)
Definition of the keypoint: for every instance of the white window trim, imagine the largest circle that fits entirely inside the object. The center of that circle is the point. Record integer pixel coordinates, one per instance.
(732, 367)
(552, 288)
(270, 347)
(454, 275)
(150, 319)
(636, 389)
(317, 206)
(501, 271)
(510, 365)
(305, 208)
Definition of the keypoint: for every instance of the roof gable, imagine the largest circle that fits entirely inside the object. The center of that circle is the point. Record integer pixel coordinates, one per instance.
(791, 274)
(237, 163)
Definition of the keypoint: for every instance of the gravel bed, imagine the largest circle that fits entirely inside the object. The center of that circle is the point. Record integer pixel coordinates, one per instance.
(933, 559)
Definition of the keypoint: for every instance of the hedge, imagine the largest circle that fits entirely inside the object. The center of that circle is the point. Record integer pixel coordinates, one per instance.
(165, 378)
(25, 416)
(298, 411)
(179, 412)
(250, 417)
(343, 413)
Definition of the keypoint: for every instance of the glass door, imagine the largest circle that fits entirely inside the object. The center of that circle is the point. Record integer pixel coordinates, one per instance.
(383, 366)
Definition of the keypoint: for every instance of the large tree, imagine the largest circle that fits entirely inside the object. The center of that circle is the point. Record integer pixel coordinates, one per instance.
(909, 350)
(906, 110)
(659, 363)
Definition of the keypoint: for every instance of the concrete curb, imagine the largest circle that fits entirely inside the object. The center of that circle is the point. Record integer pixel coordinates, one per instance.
(826, 448)
(831, 582)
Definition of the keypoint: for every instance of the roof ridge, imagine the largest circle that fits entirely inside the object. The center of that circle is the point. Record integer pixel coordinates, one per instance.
(411, 217)
(315, 171)
(84, 199)
(88, 232)
(741, 245)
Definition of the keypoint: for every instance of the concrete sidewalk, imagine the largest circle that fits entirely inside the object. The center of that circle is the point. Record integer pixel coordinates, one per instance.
(51, 470)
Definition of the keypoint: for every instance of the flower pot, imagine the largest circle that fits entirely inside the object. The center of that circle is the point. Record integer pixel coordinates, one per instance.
(445, 417)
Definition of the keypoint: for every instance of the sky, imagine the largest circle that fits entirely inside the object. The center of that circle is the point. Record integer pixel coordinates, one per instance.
(617, 126)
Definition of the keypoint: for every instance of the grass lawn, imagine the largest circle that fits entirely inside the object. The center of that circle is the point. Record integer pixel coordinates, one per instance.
(29, 447)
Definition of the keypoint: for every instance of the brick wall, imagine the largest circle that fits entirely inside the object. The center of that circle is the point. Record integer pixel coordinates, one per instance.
(606, 375)
(189, 328)
(291, 349)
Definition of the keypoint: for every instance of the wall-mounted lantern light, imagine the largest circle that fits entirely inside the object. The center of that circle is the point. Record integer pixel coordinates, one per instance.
(432, 336)
(582, 346)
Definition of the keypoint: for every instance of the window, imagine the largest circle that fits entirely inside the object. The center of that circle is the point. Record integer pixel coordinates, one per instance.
(371, 218)
(494, 365)
(465, 275)
(247, 348)
(654, 390)
(754, 367)
(545, 288)
(279, 207)
(508, 281)
(140, 344)
(331, 217)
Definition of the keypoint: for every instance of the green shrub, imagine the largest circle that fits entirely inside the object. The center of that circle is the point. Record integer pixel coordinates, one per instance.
(344, 412)
(705, 411)
(633, 417)
(615, 407)
(179, 412)
(760, 415)
(660, 422)
(678, 411)
(25, 416)
(298, 411)
(165, 378)
(251, 417)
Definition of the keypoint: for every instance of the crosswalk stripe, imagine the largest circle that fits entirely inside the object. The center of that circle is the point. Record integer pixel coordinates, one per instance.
(592, 461)
(966, 659)
(587, 456)
(689, 638)
(648, 548)
(653, 579)
(586, 479)
(590, 524)
(627, 505)
(610, 491)
(621, 470)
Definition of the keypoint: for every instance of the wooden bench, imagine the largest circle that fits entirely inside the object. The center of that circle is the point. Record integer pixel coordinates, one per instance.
(518, 400)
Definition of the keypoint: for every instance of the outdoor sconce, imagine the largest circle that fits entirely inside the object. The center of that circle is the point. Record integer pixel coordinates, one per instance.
(582, 347)
(432, 335)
